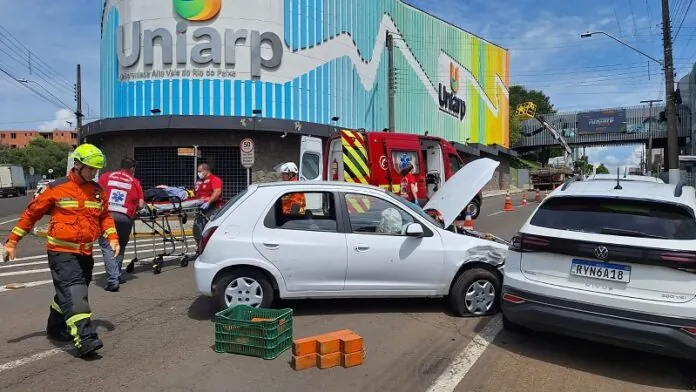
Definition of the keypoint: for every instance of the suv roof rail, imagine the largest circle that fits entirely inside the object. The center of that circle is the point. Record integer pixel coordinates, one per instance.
(569, 181)
(679, 188)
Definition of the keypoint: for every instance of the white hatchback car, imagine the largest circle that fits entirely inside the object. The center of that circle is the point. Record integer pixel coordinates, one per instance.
(610, 262)
(352, 241)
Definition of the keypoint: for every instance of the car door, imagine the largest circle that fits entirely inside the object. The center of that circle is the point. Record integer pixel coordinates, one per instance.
(311, 165)
(306, 246)
(380, 257)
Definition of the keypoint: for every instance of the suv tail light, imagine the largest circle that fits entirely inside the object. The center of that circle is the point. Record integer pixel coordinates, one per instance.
(527, 243)
(679, 257)
(205, 237)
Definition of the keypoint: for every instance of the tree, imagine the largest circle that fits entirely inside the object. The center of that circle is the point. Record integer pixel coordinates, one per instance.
(583, 166)
(518, 95)
(41, 154)
(601, 169)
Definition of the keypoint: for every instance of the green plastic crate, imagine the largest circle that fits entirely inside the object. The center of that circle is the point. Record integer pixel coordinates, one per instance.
(235, 332)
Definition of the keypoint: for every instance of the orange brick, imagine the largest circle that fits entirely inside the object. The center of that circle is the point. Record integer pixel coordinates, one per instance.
(304, 346)
(351, 343)
(260, 320)
(304, 362)
(330, 343)
(353, 359)
(328, 360)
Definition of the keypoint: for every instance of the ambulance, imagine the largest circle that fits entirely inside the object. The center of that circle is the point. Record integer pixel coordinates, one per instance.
(376, 158)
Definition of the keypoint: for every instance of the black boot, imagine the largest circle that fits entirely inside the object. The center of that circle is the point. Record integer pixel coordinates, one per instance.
(89, 346)
(61, 336)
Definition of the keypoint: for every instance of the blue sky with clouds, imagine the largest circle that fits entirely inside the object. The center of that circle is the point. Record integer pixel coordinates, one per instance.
(543, 37)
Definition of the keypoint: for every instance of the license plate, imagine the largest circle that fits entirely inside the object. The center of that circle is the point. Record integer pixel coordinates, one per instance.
(600, 270)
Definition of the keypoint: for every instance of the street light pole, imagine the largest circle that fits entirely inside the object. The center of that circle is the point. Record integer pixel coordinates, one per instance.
(670, 107)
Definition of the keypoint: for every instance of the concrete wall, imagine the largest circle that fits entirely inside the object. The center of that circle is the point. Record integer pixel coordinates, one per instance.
(501, 178)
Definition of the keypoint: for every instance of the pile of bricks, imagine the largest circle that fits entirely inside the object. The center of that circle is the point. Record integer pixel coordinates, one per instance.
(325, 351)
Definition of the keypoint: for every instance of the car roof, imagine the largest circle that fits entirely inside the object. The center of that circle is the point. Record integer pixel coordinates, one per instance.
(318, 184)
(630, 177)
(655, 191)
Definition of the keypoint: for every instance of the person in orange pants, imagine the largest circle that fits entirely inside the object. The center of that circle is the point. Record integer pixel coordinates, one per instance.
(79, 216)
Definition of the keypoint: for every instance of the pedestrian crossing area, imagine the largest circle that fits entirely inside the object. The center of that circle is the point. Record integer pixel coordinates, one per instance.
(31, 271)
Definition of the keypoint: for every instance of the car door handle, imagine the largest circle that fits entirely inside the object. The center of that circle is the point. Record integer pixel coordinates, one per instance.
(361, 248)
(271, 245)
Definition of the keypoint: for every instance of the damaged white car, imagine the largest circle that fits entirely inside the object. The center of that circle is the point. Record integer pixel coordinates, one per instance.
(342, 240)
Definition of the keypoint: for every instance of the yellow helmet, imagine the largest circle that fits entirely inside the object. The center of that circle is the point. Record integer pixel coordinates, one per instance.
(89, 155)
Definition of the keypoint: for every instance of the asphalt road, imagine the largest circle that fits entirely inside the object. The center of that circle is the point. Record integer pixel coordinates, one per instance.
(158, 336)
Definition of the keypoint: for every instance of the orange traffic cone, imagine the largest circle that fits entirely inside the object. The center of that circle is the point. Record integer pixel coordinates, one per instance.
(508, 203)
(468, 222)
(524, 198)
(537, 198)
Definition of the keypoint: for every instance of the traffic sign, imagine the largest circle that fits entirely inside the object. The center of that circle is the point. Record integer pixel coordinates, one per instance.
(246, 151)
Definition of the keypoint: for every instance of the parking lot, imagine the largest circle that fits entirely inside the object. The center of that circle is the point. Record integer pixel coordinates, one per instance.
(158, 336)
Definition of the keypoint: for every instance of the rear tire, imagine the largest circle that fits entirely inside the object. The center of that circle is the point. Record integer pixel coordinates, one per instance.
(252, 277)
(470, 295)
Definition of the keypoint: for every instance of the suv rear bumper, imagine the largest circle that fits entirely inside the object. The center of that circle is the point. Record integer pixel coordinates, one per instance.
(606, 326)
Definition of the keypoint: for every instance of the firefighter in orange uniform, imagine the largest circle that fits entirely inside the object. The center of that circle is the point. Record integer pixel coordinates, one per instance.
(79, 216)
(289, 172)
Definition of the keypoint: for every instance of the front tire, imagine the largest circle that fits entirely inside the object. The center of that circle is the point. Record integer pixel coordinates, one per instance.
(475, 293)
(244, 286)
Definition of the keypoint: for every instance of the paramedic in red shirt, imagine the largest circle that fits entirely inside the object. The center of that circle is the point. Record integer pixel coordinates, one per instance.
(208, 188)
(409, 186)
(125, 197)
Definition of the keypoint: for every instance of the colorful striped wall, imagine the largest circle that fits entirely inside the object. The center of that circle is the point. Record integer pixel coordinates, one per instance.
(334, 88)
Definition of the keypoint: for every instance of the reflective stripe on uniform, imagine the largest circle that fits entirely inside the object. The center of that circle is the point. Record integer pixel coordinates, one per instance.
(55, 307)
(67, 203)
(108, 232)
(72, 326)
(93, 204)
(19, 232)
(74, 245)
(117, 208)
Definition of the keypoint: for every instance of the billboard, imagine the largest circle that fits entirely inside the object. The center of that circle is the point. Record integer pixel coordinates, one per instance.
(602, 121)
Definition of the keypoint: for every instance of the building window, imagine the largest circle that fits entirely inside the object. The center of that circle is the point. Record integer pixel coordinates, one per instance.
(13, 136)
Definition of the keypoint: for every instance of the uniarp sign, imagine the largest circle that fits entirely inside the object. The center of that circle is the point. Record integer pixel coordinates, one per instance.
(449, 102)
(602, 121)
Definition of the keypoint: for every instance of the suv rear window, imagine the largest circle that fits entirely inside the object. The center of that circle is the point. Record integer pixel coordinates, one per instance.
(632, 218)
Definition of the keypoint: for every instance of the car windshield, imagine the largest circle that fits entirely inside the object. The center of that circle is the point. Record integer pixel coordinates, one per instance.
(620, 217)
(415, 208)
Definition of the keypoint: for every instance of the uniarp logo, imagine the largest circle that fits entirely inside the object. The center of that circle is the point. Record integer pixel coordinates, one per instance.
(197, 10)
(454, 78)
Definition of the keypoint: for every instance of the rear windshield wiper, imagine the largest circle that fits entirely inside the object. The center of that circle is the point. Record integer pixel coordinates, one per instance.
(630, 233)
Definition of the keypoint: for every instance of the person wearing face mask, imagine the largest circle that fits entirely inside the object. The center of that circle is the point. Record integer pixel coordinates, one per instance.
(79, 216)
(209, 189)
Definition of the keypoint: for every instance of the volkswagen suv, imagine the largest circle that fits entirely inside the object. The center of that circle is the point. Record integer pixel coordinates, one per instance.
(612, 262)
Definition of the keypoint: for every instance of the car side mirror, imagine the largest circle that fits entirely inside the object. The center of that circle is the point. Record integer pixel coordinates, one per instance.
(414, 230)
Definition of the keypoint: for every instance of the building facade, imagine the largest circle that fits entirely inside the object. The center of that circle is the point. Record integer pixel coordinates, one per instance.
(178, 73)
(19, 139)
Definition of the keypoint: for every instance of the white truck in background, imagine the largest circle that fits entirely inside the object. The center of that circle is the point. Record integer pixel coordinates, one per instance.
(12, 180)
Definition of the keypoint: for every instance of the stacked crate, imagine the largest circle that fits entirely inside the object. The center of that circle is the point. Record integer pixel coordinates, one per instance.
(263, 333)
(344, 348)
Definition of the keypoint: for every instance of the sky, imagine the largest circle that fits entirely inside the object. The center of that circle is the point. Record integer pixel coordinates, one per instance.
(543, 37)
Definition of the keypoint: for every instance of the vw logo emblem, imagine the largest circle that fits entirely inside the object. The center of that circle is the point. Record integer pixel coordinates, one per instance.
(601, 252)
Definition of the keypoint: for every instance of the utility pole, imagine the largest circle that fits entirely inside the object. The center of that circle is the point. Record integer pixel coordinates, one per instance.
(78, 100)
(648, 161)
(391, 80)
(670, 107)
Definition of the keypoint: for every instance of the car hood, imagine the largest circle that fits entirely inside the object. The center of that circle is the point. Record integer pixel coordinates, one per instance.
(460, 189)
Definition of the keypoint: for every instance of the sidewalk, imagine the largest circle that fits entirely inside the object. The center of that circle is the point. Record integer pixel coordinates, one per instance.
(502, 192)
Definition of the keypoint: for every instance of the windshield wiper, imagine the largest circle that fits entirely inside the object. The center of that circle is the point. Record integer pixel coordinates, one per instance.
(630, 233)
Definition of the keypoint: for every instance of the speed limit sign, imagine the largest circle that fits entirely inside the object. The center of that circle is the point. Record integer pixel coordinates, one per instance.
(246, 150)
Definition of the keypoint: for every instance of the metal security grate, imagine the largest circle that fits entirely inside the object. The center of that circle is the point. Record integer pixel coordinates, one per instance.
(164, 166)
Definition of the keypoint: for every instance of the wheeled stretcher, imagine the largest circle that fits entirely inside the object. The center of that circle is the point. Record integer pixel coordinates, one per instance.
(159, 216)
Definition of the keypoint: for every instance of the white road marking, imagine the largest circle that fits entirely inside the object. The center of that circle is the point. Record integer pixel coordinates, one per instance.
(496, 213)
(36, 357)
(19, 286)
(9, 221)
(460, 366)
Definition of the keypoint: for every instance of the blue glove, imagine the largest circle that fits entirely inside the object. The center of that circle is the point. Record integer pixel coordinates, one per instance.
(205, 205)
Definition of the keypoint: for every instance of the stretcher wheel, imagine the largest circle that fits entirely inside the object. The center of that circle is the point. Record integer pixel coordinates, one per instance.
(157, 265)
(131, 266)
(184, 261)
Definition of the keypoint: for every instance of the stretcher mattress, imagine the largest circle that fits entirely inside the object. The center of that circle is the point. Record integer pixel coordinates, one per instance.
(168, 206)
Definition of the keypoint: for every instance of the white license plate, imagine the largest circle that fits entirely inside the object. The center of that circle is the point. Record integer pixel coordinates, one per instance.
(600, 270)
